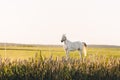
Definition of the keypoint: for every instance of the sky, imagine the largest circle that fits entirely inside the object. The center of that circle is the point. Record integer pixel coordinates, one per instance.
(44, 21)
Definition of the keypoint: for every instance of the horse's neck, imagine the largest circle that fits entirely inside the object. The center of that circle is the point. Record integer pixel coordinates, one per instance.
(67, 41)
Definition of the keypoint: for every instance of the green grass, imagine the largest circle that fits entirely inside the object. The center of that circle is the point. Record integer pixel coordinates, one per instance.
(39, 68)
(55, 52)
(100, 64)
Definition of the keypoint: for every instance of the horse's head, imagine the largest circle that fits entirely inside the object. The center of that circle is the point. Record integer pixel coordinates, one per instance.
(63, 38)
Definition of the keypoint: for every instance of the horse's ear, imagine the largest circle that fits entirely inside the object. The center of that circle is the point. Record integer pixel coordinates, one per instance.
(64, 34)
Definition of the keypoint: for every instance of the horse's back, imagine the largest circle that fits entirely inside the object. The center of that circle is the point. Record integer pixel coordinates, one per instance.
(77, 45)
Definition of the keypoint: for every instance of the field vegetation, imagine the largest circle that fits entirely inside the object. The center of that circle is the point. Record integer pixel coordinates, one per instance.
(49, 63)
(25, 52)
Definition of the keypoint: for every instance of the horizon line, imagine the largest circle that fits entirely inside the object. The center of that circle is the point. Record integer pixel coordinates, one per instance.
(55, 44)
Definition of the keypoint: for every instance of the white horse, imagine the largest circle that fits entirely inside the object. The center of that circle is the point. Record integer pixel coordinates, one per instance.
(72, 46)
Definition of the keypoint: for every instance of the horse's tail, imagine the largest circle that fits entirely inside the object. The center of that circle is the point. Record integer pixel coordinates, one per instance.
(84, 48)
(84, 44)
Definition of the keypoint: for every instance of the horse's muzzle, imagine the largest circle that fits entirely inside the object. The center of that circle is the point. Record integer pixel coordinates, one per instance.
(61, 40)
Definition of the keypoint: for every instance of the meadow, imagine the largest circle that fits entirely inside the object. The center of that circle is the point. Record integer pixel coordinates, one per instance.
(49, 63)
(18, 52)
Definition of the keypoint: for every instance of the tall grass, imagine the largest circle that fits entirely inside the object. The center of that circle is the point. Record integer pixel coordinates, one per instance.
(92, 67)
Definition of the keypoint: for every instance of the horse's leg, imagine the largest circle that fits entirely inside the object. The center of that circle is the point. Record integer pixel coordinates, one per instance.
(80, 52)
(84, 50)
(67, 54)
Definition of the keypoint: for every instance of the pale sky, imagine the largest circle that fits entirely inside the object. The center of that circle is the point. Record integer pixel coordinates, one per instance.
(44, 21)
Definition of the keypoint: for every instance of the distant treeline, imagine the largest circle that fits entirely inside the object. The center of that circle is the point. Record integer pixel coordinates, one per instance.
(42, 45)
(28, 45)
(104, 46)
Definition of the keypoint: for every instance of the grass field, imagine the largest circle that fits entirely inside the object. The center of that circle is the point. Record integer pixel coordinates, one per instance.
(49, 63)
(47, 51)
